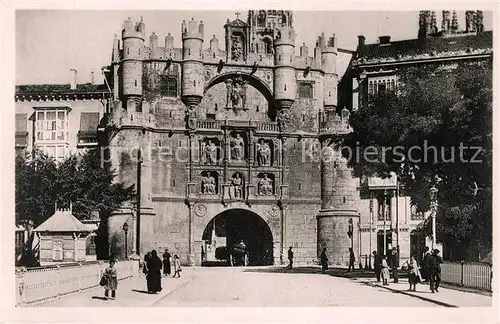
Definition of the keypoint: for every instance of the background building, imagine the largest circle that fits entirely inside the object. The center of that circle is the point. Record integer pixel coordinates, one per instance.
(374, 70)
(59, 119)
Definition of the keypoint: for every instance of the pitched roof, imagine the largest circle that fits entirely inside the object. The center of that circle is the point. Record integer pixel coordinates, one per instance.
(429, 47)
(62, 221)
(59, 88)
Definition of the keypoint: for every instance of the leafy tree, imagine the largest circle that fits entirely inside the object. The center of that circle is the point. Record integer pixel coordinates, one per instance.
(444, 113)
(80, 179)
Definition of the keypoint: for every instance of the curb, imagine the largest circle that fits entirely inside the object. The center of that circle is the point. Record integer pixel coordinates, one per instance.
(162, 296)
(416, 296)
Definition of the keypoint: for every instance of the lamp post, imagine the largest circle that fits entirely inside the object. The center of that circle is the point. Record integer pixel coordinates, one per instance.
(125, 229)
(371, 229)
(385, 222)
(433, 195)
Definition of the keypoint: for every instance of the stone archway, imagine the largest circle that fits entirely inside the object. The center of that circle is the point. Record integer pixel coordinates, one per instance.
(252, 80)
(230, 227)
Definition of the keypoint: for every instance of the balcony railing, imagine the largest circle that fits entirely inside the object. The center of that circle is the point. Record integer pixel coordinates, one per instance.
(217, 124)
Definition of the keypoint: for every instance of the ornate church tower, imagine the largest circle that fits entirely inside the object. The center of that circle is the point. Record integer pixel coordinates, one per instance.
(263, 27)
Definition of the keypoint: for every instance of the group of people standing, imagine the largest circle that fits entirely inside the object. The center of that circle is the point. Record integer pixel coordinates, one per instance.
(428, 271)
(153, 265)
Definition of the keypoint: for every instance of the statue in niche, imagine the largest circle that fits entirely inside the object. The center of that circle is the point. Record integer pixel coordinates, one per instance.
(211, 153)
(208, 184)
(261, 18)
(236, 183)
(236, 48)
(263, 153)
(265, 186)
(284, 119)
(238, 93)
(237, 148)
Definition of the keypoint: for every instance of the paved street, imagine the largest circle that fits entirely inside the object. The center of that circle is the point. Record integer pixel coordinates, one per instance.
(273, 288)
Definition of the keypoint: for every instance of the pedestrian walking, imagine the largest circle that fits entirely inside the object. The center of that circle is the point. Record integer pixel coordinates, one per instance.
(385, 271)
(290, 258)
(166, 263)
(352, 259)
(153, 277)
(413, 274)
(377, 260)
(111, 280)
(177, 267)
(435, 270)
(425, 265)
(324, 261)
(394, 263)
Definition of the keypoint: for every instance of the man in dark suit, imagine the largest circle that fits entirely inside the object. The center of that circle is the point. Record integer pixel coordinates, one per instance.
(424, 271)
(290, 258)
(435, 270)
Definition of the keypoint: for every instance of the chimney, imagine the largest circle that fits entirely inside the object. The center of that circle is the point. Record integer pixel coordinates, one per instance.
(479, 21)
(384, 40)
(454, 23)
(361, 41)
(424, 23)
(446, 24)
(92, 81)
(72, 82)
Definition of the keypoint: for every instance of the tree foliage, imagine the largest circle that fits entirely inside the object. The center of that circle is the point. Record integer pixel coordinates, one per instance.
(436, 130)
(80, 179)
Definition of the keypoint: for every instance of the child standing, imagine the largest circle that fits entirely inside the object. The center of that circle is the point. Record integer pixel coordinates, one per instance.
(385, 271)
(111, 280)
(177, 267)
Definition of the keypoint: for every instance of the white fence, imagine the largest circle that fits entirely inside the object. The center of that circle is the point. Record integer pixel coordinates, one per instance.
(467, 274)
(40, 284)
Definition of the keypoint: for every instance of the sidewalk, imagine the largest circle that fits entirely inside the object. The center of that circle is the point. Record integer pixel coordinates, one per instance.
(445, 297)
(131, 293)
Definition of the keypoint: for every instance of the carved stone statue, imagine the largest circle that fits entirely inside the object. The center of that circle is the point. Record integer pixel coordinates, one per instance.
(237, 94)
(265, 186)
(263, 153)
(237, 148)
(208, 184)
(236, 49)
(211, 153)
(284, 119)
(211, 184)
(261, 18)
(236, 183)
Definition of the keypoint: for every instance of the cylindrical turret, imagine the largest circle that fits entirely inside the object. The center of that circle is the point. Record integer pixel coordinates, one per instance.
(133, 48)
(116, 50)
(192, 67)
(329, 66)
(214, 44)
(169, 41)
(285, 83)
(304, 51)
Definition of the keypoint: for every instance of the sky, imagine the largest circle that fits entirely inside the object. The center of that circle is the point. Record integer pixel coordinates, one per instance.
(51, 42)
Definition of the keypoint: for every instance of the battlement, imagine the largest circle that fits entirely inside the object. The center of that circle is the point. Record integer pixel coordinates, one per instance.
(133, 30)
(192, 29)
(285, 36)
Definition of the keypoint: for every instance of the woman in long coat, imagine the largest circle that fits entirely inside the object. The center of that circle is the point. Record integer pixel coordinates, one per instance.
(324, 261)
(153, 277)
(166, 262)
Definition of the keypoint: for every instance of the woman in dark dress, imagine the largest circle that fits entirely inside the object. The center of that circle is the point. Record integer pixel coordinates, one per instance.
(324, 261)
(166, 263)
(147, 257)
(154, 265)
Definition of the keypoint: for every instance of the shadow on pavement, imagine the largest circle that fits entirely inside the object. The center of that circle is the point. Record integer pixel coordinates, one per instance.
(99, 297)
(140, 291)
(295, 270)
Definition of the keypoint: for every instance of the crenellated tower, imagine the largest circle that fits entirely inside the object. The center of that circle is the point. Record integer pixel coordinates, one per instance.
(133, 36)
(285, 81)
(339, 194)
(192, 66)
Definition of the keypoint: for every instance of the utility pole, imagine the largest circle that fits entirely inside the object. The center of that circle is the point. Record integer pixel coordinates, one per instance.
(385, 221)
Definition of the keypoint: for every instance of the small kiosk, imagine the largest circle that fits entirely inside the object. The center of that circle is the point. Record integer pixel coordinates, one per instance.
(62, 238)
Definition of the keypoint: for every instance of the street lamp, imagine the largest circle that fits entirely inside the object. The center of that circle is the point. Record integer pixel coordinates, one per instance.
(125, 229)
(433, 195)
(371, 229)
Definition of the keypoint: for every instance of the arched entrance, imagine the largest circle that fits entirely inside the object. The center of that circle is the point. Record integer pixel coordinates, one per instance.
(229, 228)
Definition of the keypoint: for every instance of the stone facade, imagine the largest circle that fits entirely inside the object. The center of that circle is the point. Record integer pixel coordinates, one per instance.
(237, 128)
